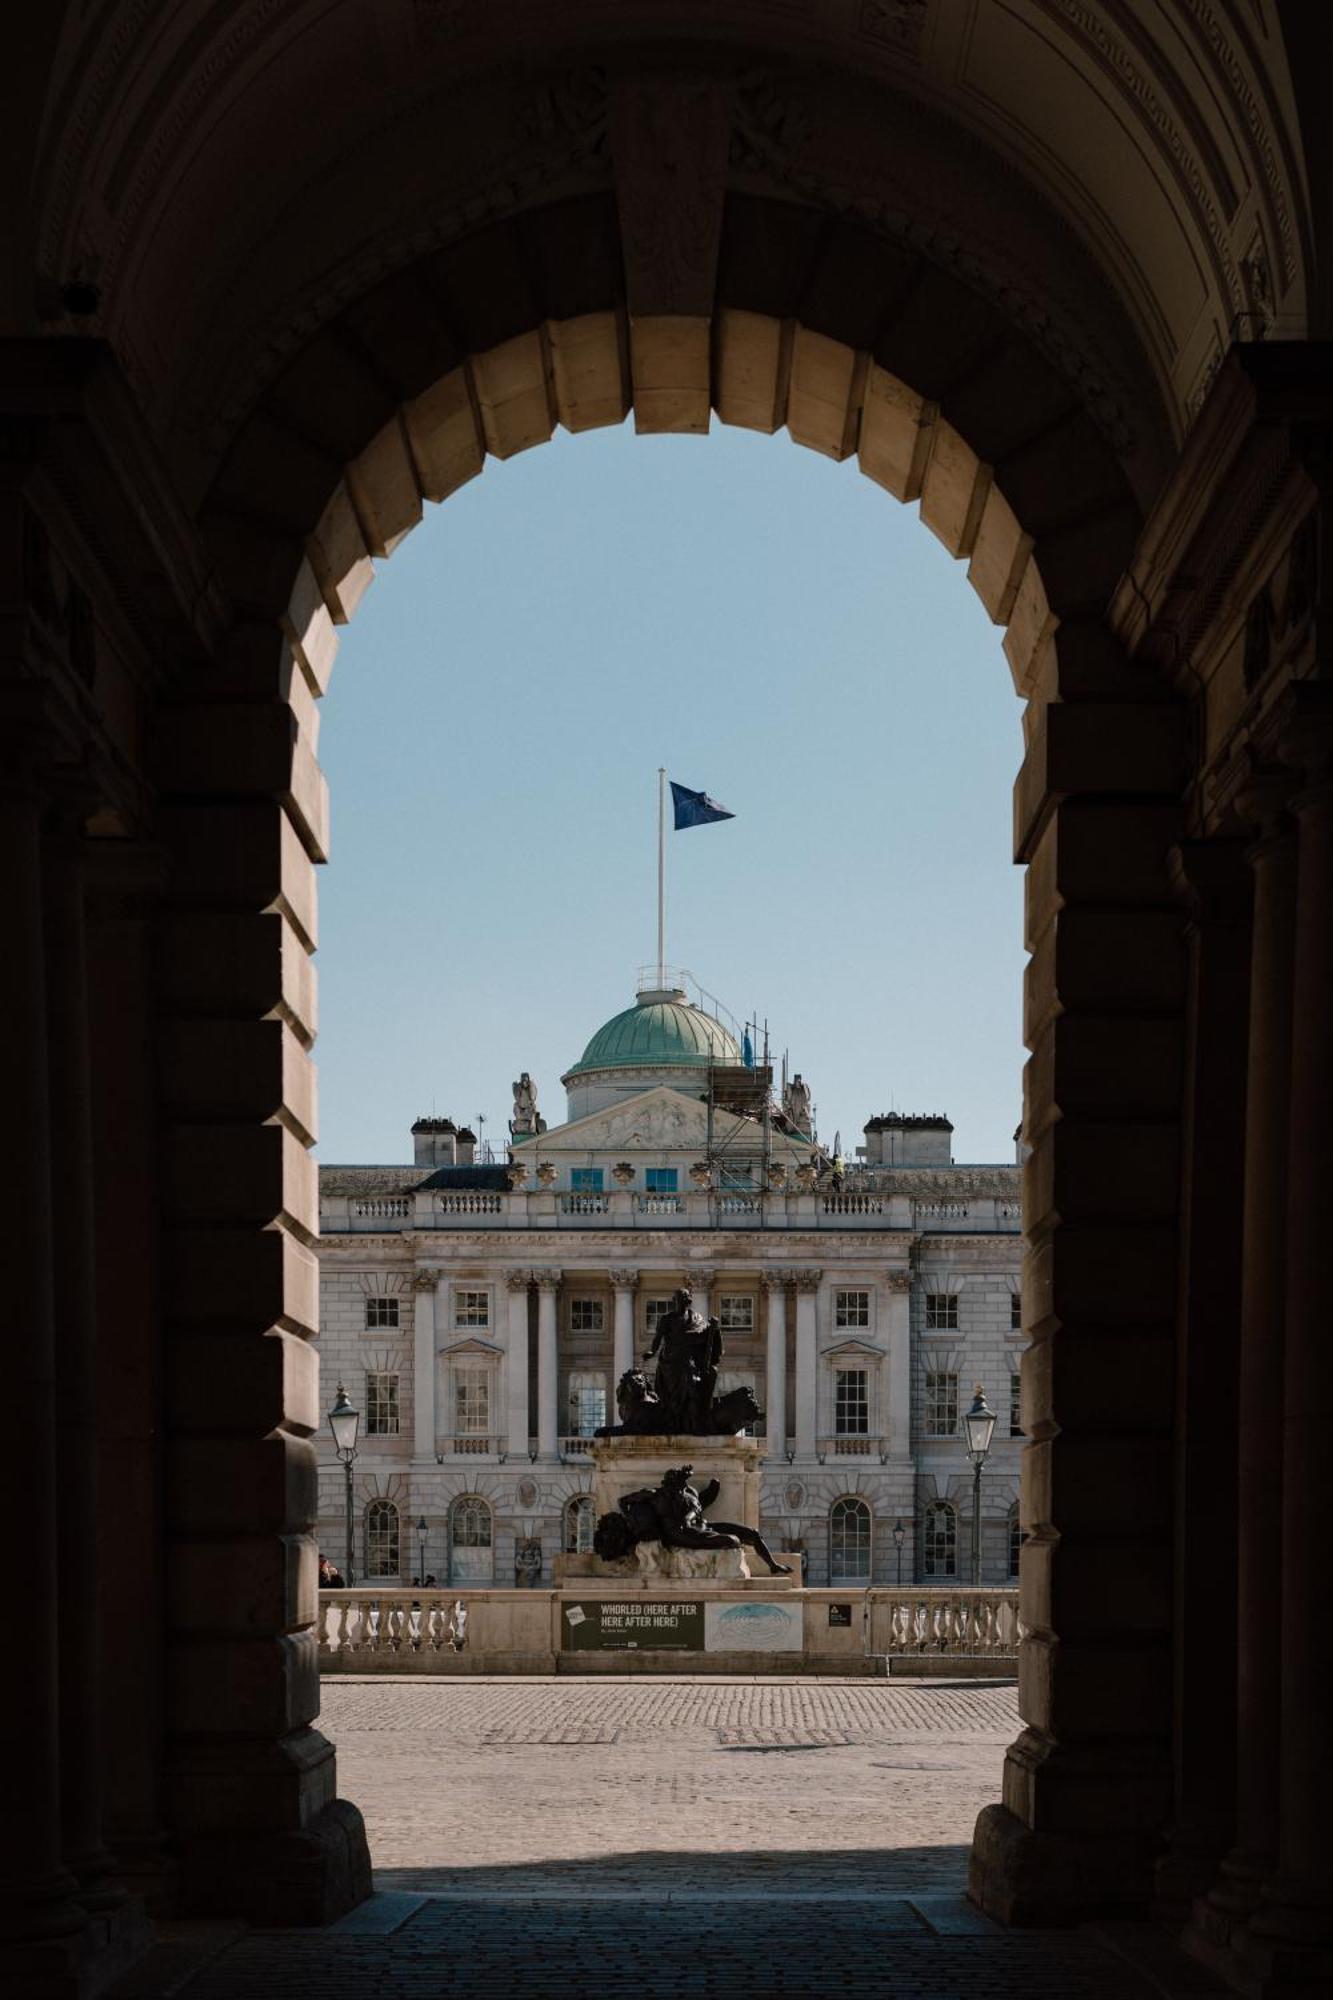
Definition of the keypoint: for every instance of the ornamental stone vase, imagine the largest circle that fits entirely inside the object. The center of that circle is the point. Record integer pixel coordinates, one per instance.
(622, 1173)
(546, 1173)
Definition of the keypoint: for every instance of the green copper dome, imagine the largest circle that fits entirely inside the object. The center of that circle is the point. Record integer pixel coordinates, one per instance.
(661, 1031)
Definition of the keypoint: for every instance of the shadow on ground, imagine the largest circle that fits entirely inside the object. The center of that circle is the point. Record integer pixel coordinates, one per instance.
(823, 1872)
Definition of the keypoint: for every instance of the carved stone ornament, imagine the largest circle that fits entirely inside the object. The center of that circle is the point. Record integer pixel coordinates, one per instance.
(898, 1281)
(622, 1173)
(516, 1175)
(624, 1281)
(518, 1280)
(807, 1178)
(425, 1281)
(526, 1493)
(775, 1281)
(546, 1174)
(701, 1173)
(806, 1281)
(777, 1175)
(794, 1495)
(549, 1281)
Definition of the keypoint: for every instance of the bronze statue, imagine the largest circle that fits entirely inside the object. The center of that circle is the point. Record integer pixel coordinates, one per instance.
(682, 1399)
(673, 1514)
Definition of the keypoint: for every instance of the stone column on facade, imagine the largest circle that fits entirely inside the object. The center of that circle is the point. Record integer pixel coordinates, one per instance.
(1214, 882)
(622, 1353)
(36, 1889)
(899, 1288)
(775, 1328)
(1291, 1942)
(701, 1285)
(519, 1283)
(1262, 1328)
(548, 1365)
(806, 1427)
(75, 1297)
(425, 1286)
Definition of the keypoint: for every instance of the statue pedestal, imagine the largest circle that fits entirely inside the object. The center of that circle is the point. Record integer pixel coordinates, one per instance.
(622, 1464)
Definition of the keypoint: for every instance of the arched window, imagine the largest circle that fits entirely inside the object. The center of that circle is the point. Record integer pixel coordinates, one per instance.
(849, 1542)
(470, 1554)
(382, 1539)
(941, 1540)
(1015, 1541)
(580, 1520)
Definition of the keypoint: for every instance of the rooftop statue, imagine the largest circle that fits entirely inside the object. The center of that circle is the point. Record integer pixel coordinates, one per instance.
(525, 1118)
(673, 1514)
(681, 1400)
(796, 1103)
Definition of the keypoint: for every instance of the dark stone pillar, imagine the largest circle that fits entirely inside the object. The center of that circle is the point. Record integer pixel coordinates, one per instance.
(42, 1925)
(1290, 1941)
(1214, 882)
(1259, 1573)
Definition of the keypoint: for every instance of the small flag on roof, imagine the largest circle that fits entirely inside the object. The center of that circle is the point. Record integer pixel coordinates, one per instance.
(695, 808)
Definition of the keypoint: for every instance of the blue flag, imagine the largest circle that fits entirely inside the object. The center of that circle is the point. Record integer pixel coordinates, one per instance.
(695, 808)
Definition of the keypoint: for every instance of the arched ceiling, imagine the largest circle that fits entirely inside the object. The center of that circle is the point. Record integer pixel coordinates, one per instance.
(1124, 176)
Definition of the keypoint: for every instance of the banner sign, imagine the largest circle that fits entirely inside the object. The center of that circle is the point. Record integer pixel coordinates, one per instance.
(648, 1624)
(643, 1624)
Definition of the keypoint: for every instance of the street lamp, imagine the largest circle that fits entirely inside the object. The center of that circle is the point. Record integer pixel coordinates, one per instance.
(422, 1532)
(899, 1537)
(980, 1426)
(345, 1422)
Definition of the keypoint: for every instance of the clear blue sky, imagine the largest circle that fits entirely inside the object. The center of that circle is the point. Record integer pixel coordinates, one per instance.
(775, 630)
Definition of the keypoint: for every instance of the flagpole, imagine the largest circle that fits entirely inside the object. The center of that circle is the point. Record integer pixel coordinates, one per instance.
(661, 876)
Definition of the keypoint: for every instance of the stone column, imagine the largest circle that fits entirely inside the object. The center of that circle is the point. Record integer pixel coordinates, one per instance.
(1291, 1942)
(78, 1521)
(1214, 882)
(806, 1431)
(36, 1889)
(775, 1406)
(425, 1285)
(701, 1286)
(519, 1283)
(899, 1287)
(622, 1357)
(1262, 1331)
(548, 1363)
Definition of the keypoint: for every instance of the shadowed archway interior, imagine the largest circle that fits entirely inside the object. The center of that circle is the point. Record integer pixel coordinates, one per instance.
(292, 275)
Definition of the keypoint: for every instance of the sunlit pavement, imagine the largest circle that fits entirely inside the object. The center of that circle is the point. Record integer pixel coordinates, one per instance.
(666, 1837)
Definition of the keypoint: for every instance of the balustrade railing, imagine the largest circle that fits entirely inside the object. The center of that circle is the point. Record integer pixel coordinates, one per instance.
(963, 1623)
(576, 1447)
(852, 1445)
(584, 1201)
(660, 1204)
(853, 1204)
(467, 1447)
(386, 1208)
(469, 1202)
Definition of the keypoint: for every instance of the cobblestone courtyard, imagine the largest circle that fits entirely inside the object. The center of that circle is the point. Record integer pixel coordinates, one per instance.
(664, 1838)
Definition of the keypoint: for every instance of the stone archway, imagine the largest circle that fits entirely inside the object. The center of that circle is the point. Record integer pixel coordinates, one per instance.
(295, 523)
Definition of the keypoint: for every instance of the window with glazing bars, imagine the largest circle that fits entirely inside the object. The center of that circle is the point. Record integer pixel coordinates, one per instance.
(940, 1540)
(735, 1312)
(381, 1404)
(941, 1403)
(942, 1310)
(381, 1312)
(586, 1315)
(472, 1308)
(851, 1402)
(587, 1404)
(1015, 1406)
(381, 1538)
(851, 1308)
(472, 1401)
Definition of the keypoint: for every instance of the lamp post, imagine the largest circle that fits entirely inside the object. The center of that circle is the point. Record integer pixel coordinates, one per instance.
(980, 1426)
(422, 1531)
(899, 1537)
(345, 1422)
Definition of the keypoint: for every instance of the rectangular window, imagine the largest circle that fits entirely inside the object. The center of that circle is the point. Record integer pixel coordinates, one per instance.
(472, 1308)
(587, 1405)
(941, 1404)
(585, 1180)
(1015, 1408)
(472, 1400)
(652, 1312)
(1016, 1312)
(660, 1180)
(851, 1308)
(381, 1312)
(851, 1402)
(735, 1312)
(381, 1405)
(586, 1315)
(942, 1312)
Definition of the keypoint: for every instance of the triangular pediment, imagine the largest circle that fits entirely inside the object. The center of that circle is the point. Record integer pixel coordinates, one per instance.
(660, 1120)
(470, 1348)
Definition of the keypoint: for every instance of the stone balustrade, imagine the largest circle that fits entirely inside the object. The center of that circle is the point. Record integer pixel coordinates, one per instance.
(374, 1629)
(850, 1208)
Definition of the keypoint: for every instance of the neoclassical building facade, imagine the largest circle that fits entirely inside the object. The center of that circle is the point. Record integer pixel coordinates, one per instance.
(480, 1317)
